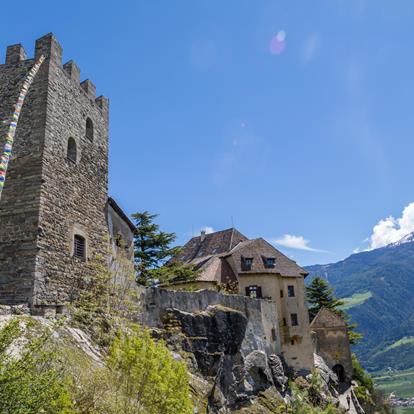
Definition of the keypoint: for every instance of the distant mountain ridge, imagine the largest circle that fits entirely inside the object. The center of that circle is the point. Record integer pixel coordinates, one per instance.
(379, 287)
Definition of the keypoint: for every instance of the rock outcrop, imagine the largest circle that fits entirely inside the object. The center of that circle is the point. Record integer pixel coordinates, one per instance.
(212, 342)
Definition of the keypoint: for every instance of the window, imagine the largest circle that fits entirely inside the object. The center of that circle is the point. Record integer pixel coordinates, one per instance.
(254, 291)
(291, 291)
(247, 263)
(89, 129)
(72, 151)
(118, 241)
(281, 293)
(284, 322)
(274, 337)
(269, 262)
(79, 247)
(294, 319)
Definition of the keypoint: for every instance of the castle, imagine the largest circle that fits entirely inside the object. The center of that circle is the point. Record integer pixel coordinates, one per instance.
(55, 213)
(256, 269)
(56, 220)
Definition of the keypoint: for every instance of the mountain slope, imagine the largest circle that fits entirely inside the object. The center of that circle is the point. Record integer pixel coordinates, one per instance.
(384, 308)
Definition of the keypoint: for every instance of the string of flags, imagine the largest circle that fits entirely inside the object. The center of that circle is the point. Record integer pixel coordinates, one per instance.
(8, 146)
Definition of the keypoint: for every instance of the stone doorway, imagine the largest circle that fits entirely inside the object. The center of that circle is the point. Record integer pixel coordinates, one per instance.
(339, 370)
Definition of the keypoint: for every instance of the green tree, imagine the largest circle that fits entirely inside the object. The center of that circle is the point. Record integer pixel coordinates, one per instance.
(320, 295)
(153, 250)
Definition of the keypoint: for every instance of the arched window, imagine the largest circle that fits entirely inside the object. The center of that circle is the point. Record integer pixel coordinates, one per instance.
(72, 151)
(79, 247)
(89, 129)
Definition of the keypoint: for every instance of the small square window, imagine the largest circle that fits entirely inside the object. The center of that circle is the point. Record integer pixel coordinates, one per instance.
(291, 291)
(294, 319)
(269, 262)
(247, 263)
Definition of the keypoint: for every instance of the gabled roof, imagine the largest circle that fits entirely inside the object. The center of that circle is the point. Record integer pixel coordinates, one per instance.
(216, 269)
(326, 318)
(259, 250)
(220, 256)
(210, 244)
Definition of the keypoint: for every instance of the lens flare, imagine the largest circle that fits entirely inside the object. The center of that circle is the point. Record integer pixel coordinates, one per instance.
(278, 44)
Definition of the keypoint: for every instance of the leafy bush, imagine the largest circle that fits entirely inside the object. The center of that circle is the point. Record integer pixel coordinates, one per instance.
(30, 382)
(140, 377)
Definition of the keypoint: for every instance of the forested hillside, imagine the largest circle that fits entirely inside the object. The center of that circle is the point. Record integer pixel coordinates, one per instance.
(379, 288)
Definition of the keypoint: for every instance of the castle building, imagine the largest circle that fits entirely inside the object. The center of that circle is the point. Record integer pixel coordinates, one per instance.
(55, 215)
(255, 268)
(332, 343)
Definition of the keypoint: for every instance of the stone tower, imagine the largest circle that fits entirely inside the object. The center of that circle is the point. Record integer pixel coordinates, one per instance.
(52, 211)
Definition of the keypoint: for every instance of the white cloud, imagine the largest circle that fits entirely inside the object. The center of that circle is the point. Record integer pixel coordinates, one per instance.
(310, 47)
(207, 230)
(295, 242)
(390, 229)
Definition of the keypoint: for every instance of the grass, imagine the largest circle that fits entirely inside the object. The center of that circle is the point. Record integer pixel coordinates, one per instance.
(404, 410)
(401, 383)
(355, 300)
(404, 341)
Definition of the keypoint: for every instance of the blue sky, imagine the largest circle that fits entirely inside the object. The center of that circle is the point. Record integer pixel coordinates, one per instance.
(311, 147)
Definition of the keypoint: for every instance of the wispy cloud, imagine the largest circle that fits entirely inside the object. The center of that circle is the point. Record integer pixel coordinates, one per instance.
(295, 242)
(391, 229)
(207, 230)
(310, 47)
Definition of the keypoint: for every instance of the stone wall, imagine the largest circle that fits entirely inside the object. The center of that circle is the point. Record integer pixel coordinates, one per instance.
(74, 195)
(296, 343)
(47, 198)
(331, 340)
(262, 331)
(332, 344)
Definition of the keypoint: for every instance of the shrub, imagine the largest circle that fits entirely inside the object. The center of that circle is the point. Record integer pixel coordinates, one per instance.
(140, 377)
(30, 382)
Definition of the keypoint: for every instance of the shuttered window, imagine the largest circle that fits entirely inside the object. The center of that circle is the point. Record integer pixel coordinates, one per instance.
(254, 291)
(79, 247)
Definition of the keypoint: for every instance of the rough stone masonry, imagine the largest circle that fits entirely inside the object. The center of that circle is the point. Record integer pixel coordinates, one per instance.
(51, 197)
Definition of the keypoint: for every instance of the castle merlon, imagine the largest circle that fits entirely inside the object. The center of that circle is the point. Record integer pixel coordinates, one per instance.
(73, 71)
(49, 47)
(90, 89)
(15, 54)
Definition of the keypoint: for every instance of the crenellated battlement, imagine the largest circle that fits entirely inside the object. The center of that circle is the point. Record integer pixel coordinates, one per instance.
(49, 46)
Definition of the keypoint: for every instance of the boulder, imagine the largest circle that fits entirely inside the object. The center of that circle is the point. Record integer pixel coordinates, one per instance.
(258, 375)
(277, 371)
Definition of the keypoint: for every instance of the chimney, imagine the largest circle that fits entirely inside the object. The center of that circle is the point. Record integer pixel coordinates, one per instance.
(202, 235)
